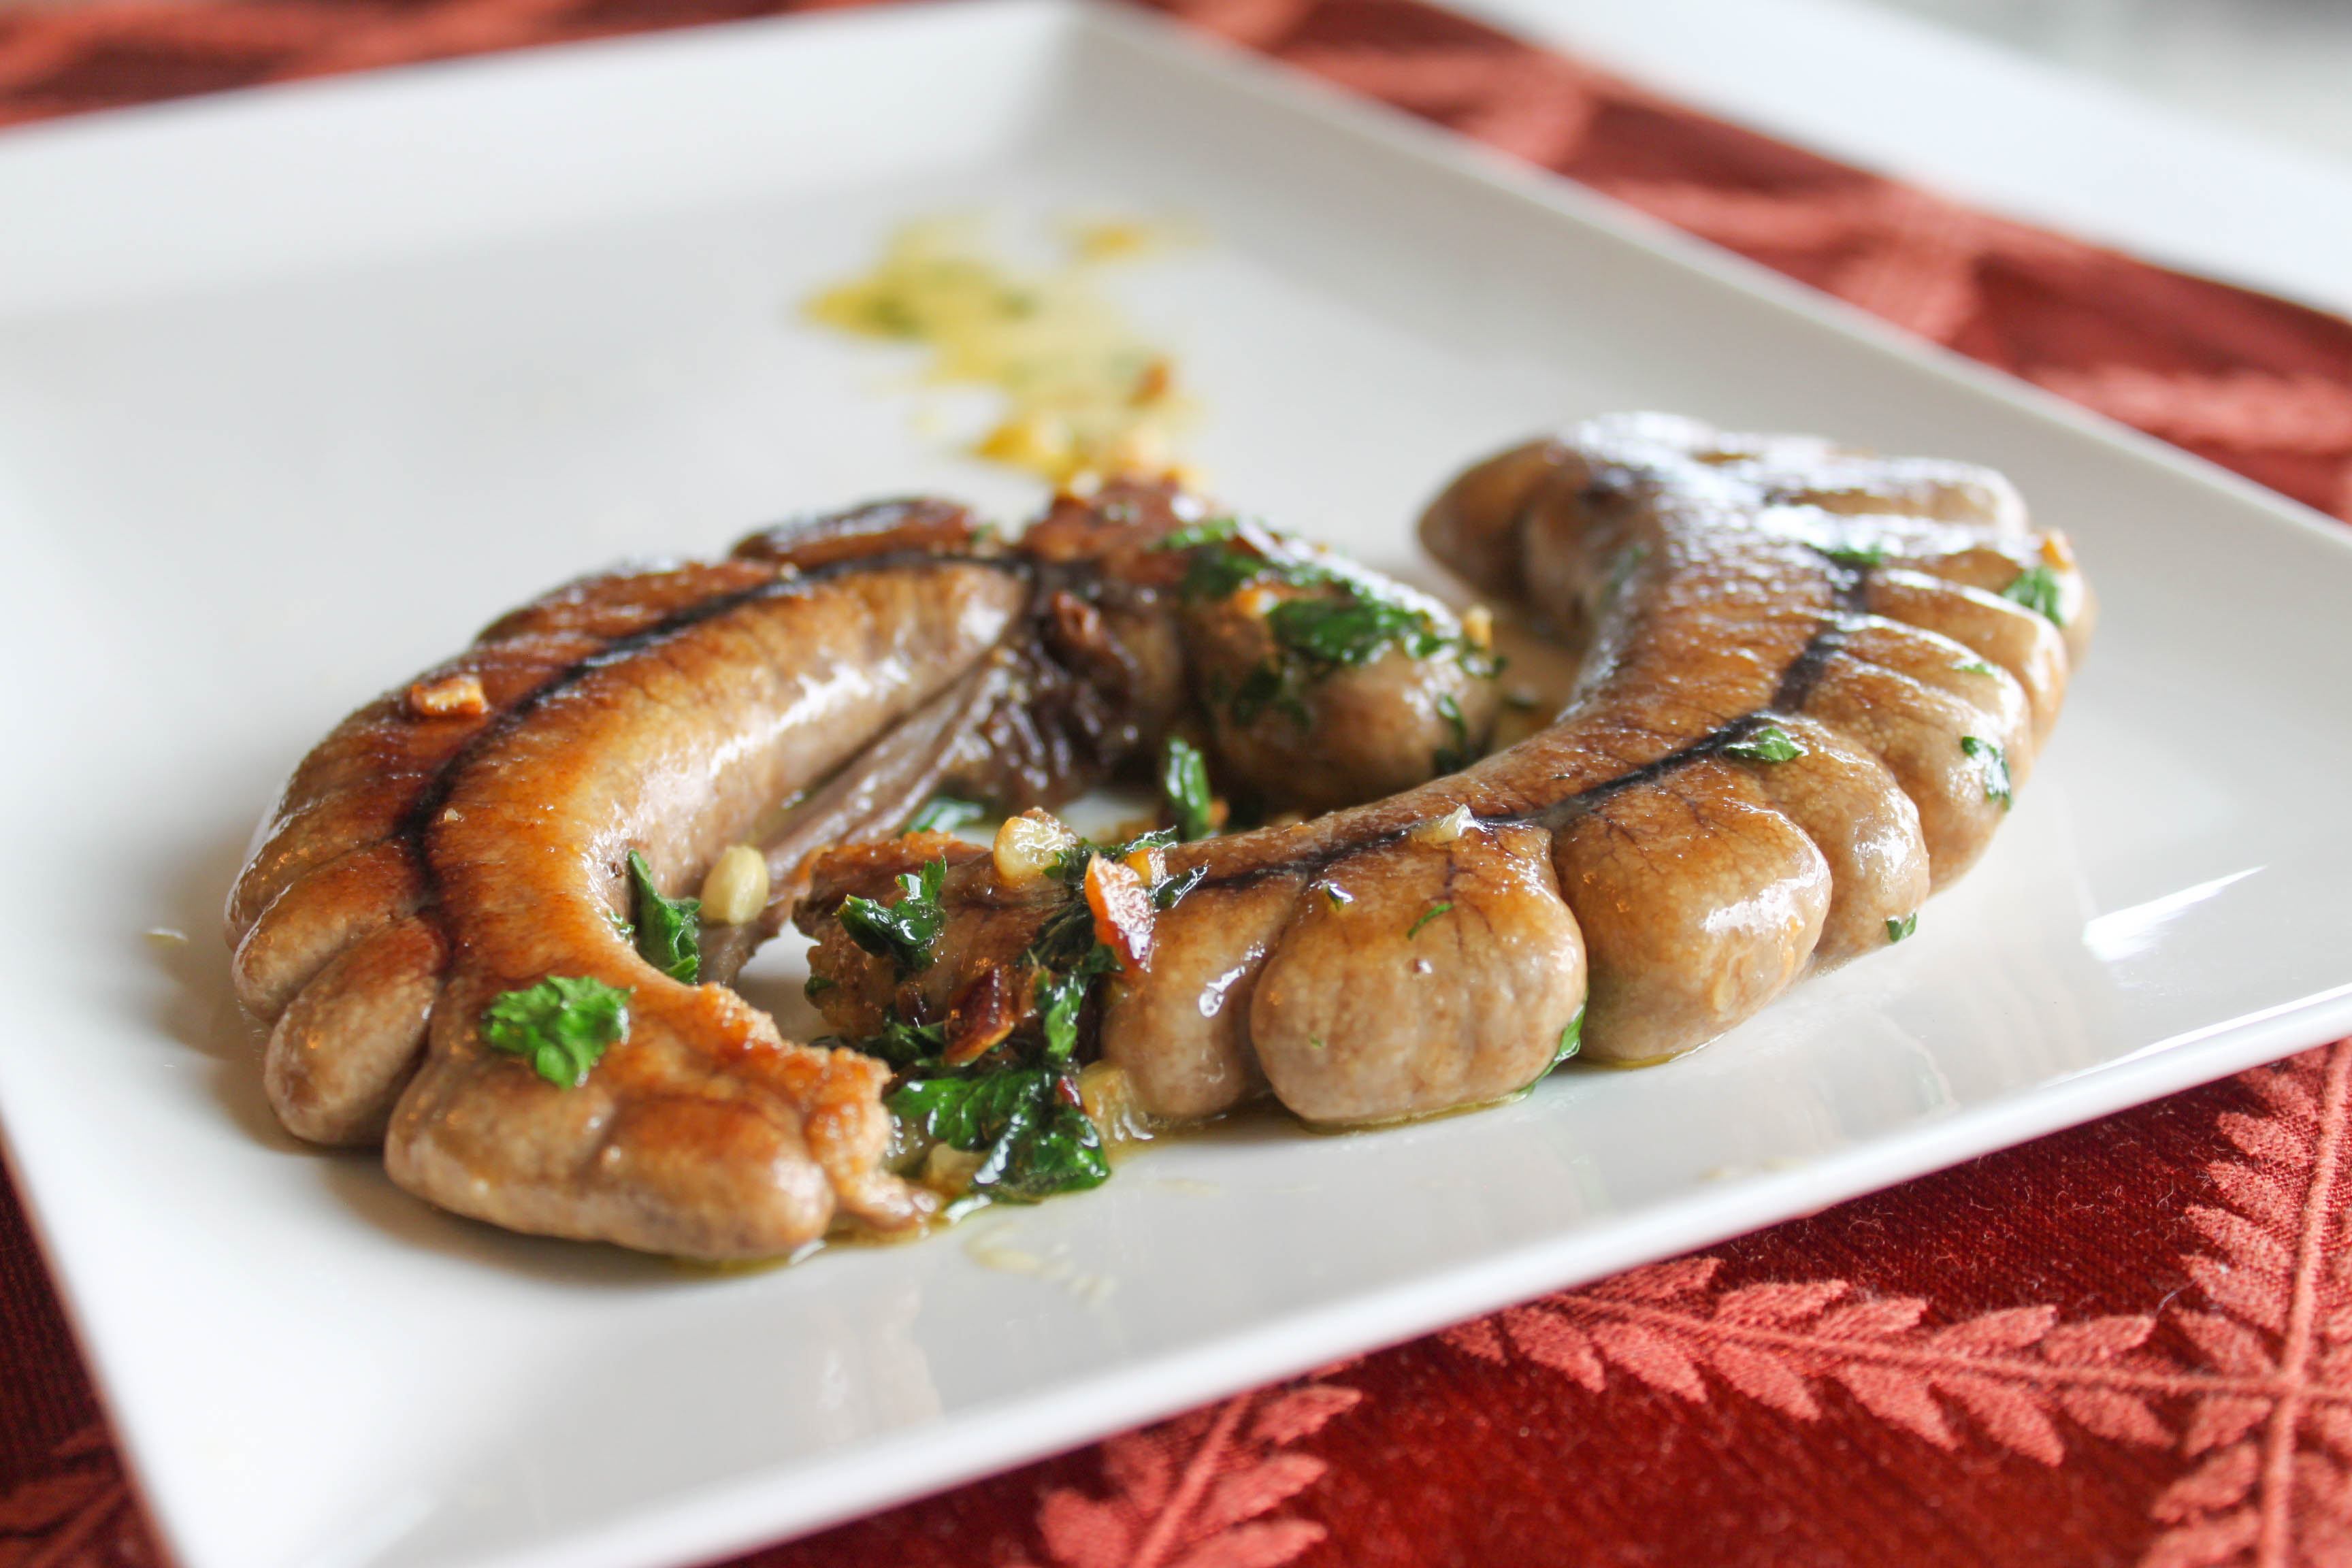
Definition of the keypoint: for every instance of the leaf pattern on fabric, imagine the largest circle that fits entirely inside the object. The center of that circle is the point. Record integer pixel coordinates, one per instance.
(2273, 1436)
(2260, 1401)
(1906, 256)
(2268, 1424)
(77, 1515)
(2013, 1374)
(1192, 1492)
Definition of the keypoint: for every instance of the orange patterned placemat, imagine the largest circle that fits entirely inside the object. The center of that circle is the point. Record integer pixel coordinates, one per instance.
(2130, 1344)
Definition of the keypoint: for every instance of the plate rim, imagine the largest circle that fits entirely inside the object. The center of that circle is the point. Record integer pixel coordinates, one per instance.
(813, 1493)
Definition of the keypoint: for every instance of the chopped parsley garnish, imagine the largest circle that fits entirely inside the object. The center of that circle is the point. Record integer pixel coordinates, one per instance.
(1166, 891)
(2036, 588)
(1065, 939)
(1208, 530)
(561, 1026)
(1011, 1096)
(1990, 758)
(1621, 572)
(1896, 930)
(1352, 630)
(1061, 997)
(1037, 1140)
(1184, 786)
(816, 986)
(1454, 758)
(903, 931)
(1860, 557)
(1349, 620)
(1070, 866)
(1434, 910)
(1571, 1039)
(667, 930)
(905, 1045)
(1222, 571)
(944, 812)
(1224, 557)
(1765, 744)
(1973, 667)
(1272, 684)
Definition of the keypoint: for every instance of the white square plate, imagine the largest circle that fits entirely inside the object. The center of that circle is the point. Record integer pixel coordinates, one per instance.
(298, 388)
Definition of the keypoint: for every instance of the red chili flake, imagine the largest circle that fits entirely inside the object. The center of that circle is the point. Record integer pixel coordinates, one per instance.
(988, 1010)
(1121, 902)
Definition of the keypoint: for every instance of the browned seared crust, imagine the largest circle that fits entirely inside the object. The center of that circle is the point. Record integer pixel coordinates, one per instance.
(703, 1131)
(419, 864)
(467, 835)
(1717, 583)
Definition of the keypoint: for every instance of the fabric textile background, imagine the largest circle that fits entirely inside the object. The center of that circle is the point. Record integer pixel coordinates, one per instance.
(2129, 1343)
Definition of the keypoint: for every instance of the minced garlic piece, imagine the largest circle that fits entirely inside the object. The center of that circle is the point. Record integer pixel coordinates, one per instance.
(1109, 1098)
(450, 697)
(1030, 844)
(736, 891)
(1446, 829)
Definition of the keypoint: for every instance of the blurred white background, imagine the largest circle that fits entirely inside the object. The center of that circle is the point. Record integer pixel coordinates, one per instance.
(2282, 68)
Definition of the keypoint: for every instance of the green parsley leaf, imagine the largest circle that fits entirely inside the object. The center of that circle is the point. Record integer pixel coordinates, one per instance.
(1861, 557)
(1156, 838)
(943, 812)
(1220, 572)
(562, 1025)
(1973, 667)
(667, 929)
(1268, 686)
(1896, 930)
(816, 986)
(1064, 939)
(964, 1113)
(903, 931)
(1184, 786)
(1621, 571)
(1350, 631)
(1037, 1144)
(1208, 530)
(1452, 758)
(1167, 892)
(1433, 912)
(1571, 1039)
(1995, 765)
(903, 1045)
(621, 927)
(1060, 998)
(2036, 588)
(1765, 744)
(1051, 1148)
(1350, 623)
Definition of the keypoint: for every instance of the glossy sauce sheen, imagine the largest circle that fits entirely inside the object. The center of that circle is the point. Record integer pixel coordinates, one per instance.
(467, 835)
(1638, 870)
(1718, 585)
